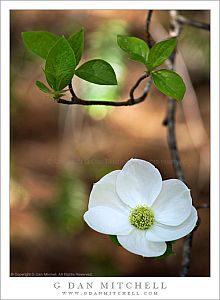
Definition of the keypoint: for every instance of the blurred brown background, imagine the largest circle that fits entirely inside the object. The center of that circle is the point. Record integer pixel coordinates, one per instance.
(58, 152)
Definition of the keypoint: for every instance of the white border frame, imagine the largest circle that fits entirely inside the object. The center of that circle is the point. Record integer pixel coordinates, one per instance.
(42, 287)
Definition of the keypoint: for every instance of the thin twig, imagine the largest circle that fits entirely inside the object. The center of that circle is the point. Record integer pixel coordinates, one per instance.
(71, 90)
(185, 21)
(171, 111)
(169, 121)
(148, 21)
(148, 35)
(175, 29)
(131, 101)
(187, 253)
(132, 90)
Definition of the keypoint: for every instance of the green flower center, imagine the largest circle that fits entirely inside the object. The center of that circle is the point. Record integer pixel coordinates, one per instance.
(142, 217)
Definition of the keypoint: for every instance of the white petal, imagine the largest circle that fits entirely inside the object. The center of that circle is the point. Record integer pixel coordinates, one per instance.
(137, 243)
(107, 220)
(173, 204)
(139, 182)
(104, 193)
(160, 232)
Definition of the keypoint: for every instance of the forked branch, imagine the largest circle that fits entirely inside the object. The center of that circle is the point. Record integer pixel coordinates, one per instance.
(131, 101)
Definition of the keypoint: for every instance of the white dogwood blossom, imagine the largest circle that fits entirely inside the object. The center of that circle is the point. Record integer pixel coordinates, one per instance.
(141, 209)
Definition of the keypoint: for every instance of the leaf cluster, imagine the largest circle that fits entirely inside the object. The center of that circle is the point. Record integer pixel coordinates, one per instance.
(168, 82)
(62, 56)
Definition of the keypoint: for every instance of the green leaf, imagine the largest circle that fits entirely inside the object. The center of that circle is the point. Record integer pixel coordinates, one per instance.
(160, 52)
(77, 43)
(114, 239)
(39, 42)
(169, 251)
(137, 49)
(60, 65)
(169, 83)
(97, 71)
(43, 87)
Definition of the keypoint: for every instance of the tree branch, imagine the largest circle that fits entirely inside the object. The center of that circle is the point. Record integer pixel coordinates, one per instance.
(184, 21)
(175, 29)
(148, 21)
(131, 101)
(71, 90)
(187, 253)
(176, 23)
(172, 143)
(148, 35)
